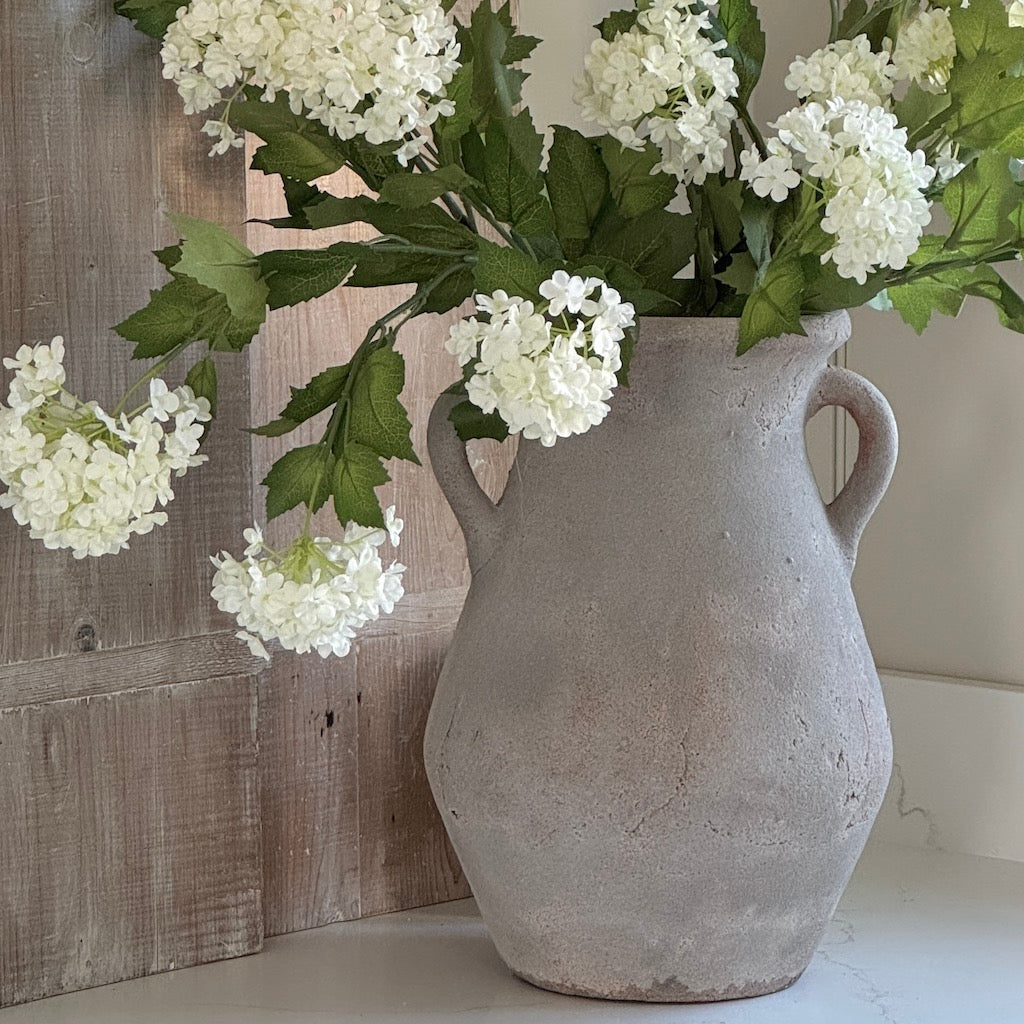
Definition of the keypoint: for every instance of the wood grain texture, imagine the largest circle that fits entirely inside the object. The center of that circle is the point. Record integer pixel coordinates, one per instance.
(320, 866)
(135, 843)
(92, 674)
(309, 735)
(405, 858)
(94, 151)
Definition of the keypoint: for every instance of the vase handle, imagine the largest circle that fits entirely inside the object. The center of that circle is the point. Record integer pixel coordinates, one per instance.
(854, 505)
(477, 514)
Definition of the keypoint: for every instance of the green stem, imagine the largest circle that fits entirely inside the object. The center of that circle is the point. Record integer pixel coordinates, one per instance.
(513, 239)
(387, 244)
(833, 33)
(940, 266)
(152, 372)
(752, 130)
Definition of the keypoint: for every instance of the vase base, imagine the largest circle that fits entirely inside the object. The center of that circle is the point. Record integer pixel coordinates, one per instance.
(671, 990)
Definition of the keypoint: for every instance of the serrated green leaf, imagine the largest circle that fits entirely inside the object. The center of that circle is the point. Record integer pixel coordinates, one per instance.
(981, 202)
(742, 30)
(450, 293)
(214, 258)
(202, 379)
(615, 24)
(497, 88)
(376, 418)
(471, 423)
(724, 200)
(357, 474)
(298, 275)
(773, 308)
(323, 391)
(577, 182)
(511, 175)
(168, 320)
(511, 270)
(448, 131)
(408, 190)
(826, 291)
(656, 245)
(150, 16)
(520, 48)
(301, 476)
(741, 274)
(633, 187)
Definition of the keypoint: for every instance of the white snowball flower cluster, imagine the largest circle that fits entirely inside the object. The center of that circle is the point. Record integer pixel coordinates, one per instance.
(873, 185)
(925, 50)
(315, 594)
(845, 70)
(376, 68)
(665, 81)
(78, 477)
(547, 371)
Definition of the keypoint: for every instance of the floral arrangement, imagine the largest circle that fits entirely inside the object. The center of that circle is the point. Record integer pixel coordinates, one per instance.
(894, 179)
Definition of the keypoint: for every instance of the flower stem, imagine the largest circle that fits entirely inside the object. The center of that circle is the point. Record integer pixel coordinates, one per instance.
(152, 372)
(833, 33)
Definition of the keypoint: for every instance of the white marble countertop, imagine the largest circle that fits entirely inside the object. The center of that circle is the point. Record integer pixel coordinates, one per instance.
(921, 937)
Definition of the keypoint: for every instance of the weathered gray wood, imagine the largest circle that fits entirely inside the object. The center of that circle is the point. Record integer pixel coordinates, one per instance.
(328, 856)
(94, 150)
(104, 672)
(130, 836)
(130, 841)
(309, 735)
(405, 858)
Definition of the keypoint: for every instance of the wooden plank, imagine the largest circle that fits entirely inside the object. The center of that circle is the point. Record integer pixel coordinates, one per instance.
(309, 734)
(91, 674)
(131, 843)
(405, 858)
(95, 150)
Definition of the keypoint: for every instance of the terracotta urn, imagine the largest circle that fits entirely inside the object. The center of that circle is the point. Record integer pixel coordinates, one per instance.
(659, 741)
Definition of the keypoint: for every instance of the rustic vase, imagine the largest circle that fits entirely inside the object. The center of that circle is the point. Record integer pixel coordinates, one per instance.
(659, 742)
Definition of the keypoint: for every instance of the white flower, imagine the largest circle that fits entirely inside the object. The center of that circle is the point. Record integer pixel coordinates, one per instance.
(376, 68)
(78, 477)
(548, 373)
(925, 50)
(876, 207)
(665, 81)
(846, 70)
(946, 164)
(315, 594)
(774, 176)
(1015, 12)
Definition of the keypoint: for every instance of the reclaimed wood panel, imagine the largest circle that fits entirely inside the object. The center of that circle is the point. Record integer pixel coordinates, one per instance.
(135, 844)
(95, 150)
(405, 858)
(307, 791)
(309, 758)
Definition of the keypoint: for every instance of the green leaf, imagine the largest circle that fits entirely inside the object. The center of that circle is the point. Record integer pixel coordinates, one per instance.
(298, 275)
(921, 112)
(202, 379)
(577, 182)
(724, 200)
(741, 274)
(826, 291)
(301, 476)
(981, 201)
(758, 219)
(615, 24)
(408, 190)
(169, 320)
(511, 175)
(150, 16)
(657, 245)
(357, 473)
(508, 269)
(774, 307)
(213, 257)
(917, 302)
(377, 418)
(742, 30)
(448, 131)
(856, 20)
(633, 187)
(854, 12)
(471, 422)
(450, 293)
(323, 391)
(497, 88)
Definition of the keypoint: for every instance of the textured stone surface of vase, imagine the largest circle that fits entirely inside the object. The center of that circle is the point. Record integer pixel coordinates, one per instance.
(658, 741)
